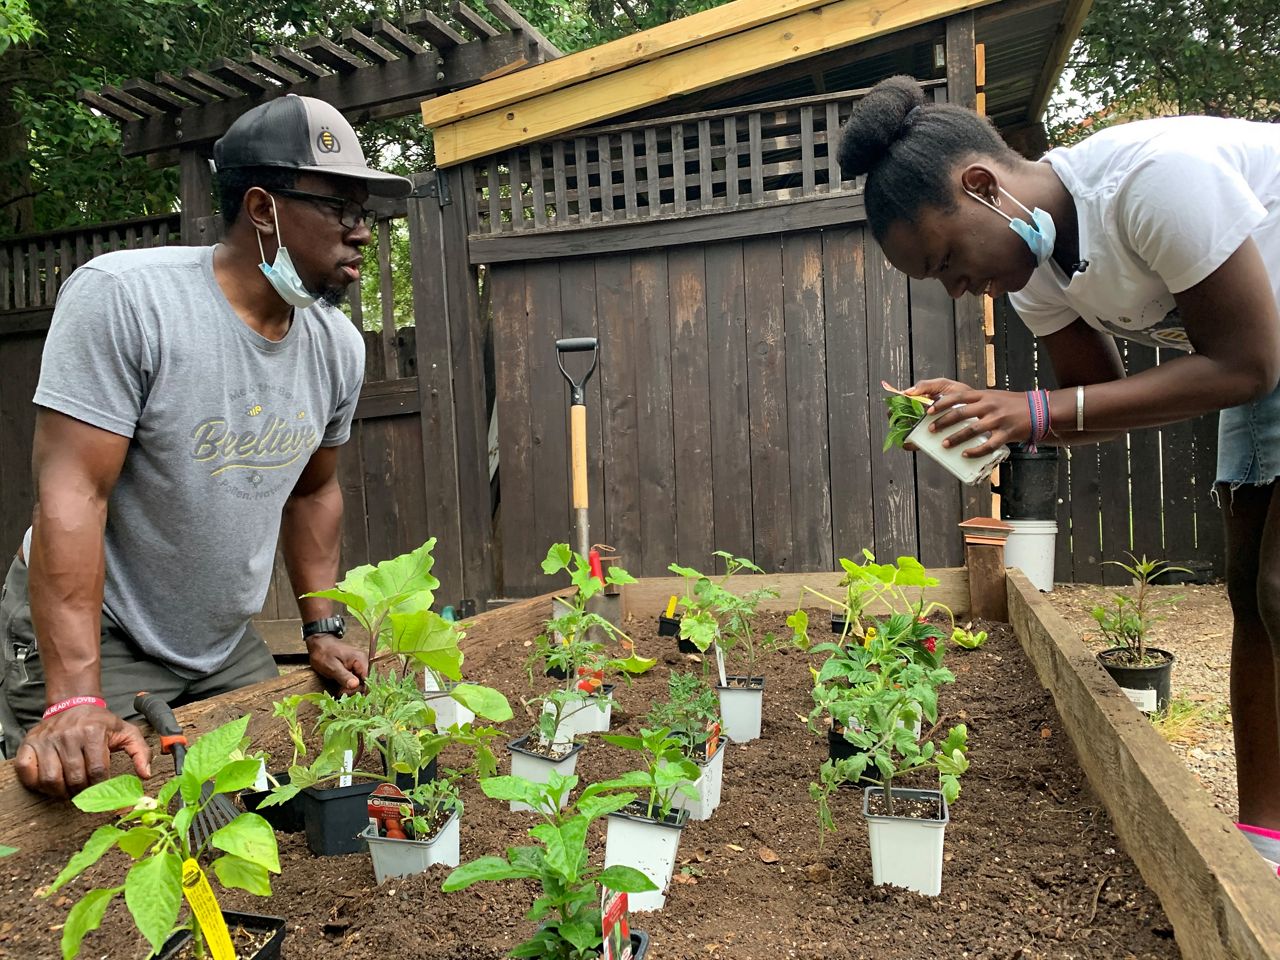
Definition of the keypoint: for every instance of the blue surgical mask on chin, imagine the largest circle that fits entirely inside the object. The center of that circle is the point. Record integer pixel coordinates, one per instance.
(1039, 235)
(281, 274)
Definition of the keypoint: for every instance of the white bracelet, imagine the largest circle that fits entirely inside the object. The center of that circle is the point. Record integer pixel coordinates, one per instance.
(1080, 409)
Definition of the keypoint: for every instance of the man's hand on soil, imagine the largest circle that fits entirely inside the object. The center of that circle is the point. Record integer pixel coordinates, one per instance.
(342, 663)
(72, 750)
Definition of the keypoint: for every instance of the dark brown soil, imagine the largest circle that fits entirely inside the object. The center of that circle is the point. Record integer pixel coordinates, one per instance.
(1032, 867)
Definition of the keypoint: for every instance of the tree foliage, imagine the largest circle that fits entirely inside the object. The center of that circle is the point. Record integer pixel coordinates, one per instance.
(1139, 58)
(61, 163)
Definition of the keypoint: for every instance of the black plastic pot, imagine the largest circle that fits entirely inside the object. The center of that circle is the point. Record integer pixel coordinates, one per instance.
(405, 780)
(668, 626)
(285, 817)
(557, 673)
(334, 818)
(1028, 485)
(1146, 686)
(838, 623)
(686, 646)
(639, 944)
(252, 921)
(841, 749)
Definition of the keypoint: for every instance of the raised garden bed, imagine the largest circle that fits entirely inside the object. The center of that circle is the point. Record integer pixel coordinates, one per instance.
(1033, 867)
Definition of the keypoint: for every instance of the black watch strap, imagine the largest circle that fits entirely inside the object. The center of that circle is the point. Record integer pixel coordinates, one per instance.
(335, 625)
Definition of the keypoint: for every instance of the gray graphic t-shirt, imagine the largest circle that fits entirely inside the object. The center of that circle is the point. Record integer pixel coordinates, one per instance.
(144, 344)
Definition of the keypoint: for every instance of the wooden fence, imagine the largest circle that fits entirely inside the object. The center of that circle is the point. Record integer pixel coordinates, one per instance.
(1145, 493)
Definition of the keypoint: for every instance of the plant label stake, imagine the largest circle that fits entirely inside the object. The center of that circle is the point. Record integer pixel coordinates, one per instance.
(578, 431)
(195, 887)
(724, 681)
(348, 763)
(616, 931)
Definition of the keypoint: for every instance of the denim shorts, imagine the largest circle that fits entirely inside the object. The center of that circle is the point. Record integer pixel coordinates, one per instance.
(1249, 442)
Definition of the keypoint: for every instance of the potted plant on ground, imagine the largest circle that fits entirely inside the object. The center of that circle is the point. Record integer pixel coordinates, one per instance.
(645, 833)
(692, 713)
(417, 829)
(1142, 672)
(573, 644)
(390, 719)
(906, 826)
(716, 617)
(550, 749)
(568, 913)
(165, 856)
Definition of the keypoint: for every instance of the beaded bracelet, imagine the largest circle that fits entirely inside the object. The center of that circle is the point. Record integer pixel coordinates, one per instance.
(1038, 405)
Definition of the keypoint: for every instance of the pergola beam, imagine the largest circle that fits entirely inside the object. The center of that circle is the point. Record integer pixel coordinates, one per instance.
(397, 85)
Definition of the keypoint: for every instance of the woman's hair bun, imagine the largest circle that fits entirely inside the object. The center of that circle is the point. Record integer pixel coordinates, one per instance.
(876, 122)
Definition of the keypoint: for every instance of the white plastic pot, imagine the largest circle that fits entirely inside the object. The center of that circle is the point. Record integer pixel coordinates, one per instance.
(741, 709)
(905, 852)
(967, 469)
(649, 846)
(448, 710)
(403, 858)
(708, 786)
(1030, 548)
(537, 768)
(592, 715)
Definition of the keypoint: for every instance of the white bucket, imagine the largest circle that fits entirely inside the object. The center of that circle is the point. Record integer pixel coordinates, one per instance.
(904, 852)
(1030, 548)
(647, 845)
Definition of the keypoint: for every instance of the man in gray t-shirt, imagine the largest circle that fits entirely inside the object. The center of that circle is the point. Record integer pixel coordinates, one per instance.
(191, 403)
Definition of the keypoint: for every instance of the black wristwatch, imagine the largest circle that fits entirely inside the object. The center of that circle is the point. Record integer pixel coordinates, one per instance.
(334, 625)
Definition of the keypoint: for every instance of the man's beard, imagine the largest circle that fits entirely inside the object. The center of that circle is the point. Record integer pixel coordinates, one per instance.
(334, 296)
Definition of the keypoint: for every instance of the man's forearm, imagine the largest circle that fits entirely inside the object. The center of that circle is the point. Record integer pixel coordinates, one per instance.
(311, 538)
(65, 584)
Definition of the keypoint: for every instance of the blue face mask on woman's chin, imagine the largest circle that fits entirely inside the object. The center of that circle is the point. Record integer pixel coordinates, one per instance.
(1039, 235)
(281, 274)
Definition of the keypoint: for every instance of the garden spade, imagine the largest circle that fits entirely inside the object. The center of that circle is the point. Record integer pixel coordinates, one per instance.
(214, 815)
(578, 431)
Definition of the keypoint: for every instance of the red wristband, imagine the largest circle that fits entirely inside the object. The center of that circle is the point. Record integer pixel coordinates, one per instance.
(70, 702)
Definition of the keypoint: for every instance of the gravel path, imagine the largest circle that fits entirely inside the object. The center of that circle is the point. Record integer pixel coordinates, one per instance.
(1196, 629)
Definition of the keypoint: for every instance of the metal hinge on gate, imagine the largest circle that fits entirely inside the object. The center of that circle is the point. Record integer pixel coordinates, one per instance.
(438, 188)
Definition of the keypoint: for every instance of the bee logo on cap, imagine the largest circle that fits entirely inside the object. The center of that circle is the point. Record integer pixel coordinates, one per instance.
(326, 142)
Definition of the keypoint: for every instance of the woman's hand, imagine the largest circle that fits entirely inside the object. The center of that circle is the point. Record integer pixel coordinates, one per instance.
(1003, 414)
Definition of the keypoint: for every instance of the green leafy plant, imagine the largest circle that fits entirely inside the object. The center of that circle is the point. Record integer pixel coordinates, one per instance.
(875, 693)
(390, 720)
(691, 712)
(158, 839)
(431, 803)
(969, 639)
(900, 586)
(904, 414)
(715, 614)
(568, 910)
(1127, 621)
(666, 771)
(555, 707)
(568, 643)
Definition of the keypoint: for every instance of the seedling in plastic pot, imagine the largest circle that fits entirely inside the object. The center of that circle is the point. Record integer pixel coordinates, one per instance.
(163, 859)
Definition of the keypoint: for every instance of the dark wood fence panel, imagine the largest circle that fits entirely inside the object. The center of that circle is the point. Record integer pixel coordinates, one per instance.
(740, 411)
(1146, 493)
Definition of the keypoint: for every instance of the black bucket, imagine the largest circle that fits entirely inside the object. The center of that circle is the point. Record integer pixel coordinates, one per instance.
(1028, 485)
(1147, 687)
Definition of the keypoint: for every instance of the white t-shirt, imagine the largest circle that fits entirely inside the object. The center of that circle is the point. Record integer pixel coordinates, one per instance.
(1160, 204)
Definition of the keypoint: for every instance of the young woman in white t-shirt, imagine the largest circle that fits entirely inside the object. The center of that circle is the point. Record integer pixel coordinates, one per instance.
(1163, 231)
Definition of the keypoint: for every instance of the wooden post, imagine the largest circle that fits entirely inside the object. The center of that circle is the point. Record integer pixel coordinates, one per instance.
(984, 540)
(195, 192)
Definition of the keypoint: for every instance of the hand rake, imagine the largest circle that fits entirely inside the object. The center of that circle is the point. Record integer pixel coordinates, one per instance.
(213, 815)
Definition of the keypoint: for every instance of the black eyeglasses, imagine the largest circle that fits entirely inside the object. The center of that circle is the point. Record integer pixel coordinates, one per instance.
(350, 213)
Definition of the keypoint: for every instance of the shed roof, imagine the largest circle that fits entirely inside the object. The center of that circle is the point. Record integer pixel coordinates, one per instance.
(758, 49)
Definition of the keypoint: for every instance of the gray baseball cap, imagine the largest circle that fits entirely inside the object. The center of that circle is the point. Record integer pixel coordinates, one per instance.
(305, 134)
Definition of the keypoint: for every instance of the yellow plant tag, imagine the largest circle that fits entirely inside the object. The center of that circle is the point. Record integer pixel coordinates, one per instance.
(195, 887)
(671, 607)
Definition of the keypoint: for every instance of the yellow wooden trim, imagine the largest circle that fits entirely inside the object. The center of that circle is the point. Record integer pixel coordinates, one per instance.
(606, 58)
(980, 104)
(797, 37)
(980, 55)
